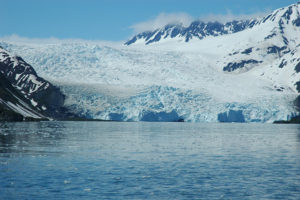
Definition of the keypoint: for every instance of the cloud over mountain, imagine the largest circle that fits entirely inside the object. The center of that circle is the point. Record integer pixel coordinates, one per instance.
(185, 19)
(163, 19)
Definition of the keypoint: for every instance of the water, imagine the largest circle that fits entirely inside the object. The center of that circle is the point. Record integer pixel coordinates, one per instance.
(92, 160)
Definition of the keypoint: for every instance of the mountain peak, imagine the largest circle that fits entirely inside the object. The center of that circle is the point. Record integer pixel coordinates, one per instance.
(42, 96)
(287, 15)
(198, 29)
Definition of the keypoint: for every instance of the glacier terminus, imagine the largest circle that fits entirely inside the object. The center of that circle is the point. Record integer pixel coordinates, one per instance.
(239, 71)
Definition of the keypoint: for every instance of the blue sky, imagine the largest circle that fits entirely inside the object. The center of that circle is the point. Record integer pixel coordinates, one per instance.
(116, 19)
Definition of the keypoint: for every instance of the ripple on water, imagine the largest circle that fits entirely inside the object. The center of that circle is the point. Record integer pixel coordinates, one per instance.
(90, 160)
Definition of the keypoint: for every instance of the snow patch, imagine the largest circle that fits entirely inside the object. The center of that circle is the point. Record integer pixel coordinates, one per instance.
(34, 103)
(172, 76)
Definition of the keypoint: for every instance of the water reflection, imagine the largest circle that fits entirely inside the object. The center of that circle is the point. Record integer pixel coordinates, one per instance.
(30, 137)
(93, 160)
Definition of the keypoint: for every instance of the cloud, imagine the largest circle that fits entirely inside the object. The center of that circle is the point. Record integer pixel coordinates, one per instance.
(161, 20)
(20, 39)
(185, 19)
(14, 38)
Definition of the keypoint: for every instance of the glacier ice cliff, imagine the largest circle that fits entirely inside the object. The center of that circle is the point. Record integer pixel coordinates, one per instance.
(249, 74)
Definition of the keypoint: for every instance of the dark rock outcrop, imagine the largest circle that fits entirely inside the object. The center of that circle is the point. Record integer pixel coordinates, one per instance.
(298, 86)
(10, 98)
(197, 29)
(297, 68)
(282, 64)
(247, 51)
(42, 98)
(276, 50)
(239, 65)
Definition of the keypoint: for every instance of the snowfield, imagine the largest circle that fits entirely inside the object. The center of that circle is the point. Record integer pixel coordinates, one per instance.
(252, 71)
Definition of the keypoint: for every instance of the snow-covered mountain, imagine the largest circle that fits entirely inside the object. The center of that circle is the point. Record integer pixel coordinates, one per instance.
(197, 29)
(201, 30)
(13, 106)
(249, 72)
(24, 92)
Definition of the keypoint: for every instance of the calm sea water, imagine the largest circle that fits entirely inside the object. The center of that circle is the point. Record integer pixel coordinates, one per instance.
(92, 160)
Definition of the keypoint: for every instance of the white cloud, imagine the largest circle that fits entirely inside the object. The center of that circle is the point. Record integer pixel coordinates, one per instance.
(14, 38)
(161, 20)
(185, 19)
(20, 39)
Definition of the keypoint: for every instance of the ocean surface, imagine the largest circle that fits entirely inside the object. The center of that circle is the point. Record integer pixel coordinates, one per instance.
(112, 160)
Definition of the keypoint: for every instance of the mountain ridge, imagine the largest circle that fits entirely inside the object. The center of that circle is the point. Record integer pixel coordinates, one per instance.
(24, 93)
(199, 29)
(251, 75)
(13, 105)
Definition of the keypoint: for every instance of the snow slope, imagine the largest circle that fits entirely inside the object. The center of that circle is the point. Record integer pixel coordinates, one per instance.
(196, 29)
(13, 106)
(30, 93)
(253, 72)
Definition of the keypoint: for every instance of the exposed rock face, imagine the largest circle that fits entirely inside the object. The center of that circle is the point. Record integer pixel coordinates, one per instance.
(298, 86)
(297, 68)
(197, 29)
(240, 65)
(275, 49)
(198, 71)
(25, 85)
(13, 106)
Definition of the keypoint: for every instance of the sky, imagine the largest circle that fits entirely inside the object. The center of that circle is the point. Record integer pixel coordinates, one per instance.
(117, 20)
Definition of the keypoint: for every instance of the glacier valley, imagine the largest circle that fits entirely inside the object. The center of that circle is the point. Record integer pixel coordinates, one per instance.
(245, 76)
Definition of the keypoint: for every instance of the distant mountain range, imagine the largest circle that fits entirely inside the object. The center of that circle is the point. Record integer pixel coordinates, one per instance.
(200, 30)
(280, 41)
(197, 29)
(239, 71)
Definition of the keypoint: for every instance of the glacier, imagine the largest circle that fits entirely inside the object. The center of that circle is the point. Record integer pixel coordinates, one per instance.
(251, 73)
